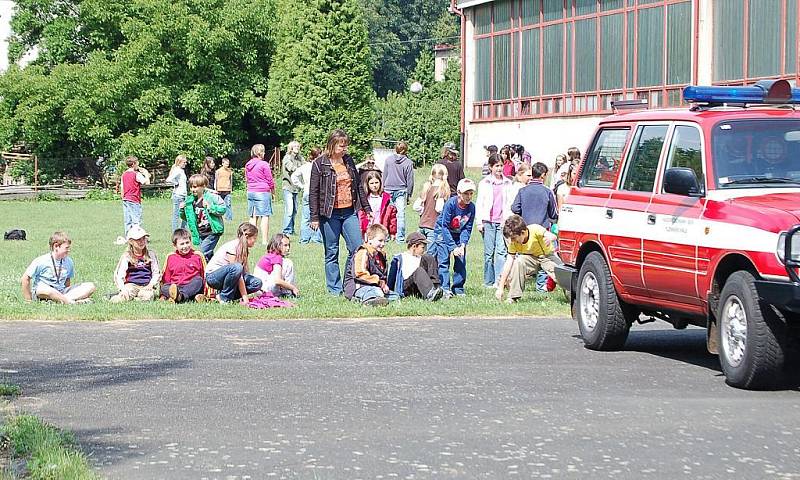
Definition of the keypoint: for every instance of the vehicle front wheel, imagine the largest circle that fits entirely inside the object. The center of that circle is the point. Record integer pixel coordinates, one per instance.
(751, 336)
(603, 319)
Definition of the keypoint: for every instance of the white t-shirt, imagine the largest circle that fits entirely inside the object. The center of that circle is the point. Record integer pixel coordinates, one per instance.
(220, 258)
(375, 204)
(410, 264)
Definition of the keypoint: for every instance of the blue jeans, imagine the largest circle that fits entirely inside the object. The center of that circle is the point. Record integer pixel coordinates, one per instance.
(131, 214)
(459, 268)
(342, 222)
(177, 222)
(362, 294)
(399, 200)
(226, 197)
(208, 244)
(289, 209)
(226, 281)
(306, 234)
(428, 232)
(541, 281)
(494, 252)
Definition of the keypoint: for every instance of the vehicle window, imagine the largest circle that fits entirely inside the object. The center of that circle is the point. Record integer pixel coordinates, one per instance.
(686, 151)
(641, 171)
(760, 151)
(604, 158)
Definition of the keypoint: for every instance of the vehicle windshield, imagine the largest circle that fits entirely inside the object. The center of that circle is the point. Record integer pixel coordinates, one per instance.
(756, 152)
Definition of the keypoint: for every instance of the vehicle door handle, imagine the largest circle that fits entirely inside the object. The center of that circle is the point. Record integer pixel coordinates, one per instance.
(609, 213)
(651, 219)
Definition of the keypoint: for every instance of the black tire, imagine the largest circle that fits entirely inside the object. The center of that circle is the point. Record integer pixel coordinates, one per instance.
(603, 319)
(755, 361)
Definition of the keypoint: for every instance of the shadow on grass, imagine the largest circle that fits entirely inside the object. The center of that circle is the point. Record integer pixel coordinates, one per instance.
(43, 376)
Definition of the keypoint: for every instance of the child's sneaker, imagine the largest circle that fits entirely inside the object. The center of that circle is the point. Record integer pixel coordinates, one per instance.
(376, 302)
(200, 298)
(435, 294)
(173, 293)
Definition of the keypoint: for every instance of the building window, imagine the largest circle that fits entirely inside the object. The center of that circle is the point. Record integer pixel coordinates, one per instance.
(755, 39)
(555, 57)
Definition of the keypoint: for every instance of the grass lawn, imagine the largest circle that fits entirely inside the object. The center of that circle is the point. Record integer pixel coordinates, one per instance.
(93, 226)
(47, 452)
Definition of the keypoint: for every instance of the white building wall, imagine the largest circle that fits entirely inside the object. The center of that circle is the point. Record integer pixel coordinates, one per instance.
(544, 138)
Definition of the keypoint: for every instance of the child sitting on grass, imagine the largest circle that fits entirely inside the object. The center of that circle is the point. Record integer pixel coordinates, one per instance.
(414, 272)
(530, 249)
(227, 271)
(183, 279)
(275, 271)
(365, 276)
(203, 211)
(49, 277)
(137, 273)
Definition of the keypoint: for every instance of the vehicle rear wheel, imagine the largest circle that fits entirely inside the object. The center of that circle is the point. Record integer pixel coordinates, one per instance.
(603, 319)
(751, 336)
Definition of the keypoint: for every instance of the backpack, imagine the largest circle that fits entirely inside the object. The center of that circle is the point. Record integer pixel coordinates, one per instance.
(15, 234)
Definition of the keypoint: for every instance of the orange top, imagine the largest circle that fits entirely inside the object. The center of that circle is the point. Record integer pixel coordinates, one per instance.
(344, 194)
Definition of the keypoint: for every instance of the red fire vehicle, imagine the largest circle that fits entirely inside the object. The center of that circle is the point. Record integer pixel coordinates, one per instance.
(692, 216)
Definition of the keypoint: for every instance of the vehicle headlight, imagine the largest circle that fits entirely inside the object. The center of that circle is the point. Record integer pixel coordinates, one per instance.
(795, 248)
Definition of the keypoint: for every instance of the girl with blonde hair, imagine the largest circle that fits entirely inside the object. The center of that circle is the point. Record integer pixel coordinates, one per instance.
(431, 200)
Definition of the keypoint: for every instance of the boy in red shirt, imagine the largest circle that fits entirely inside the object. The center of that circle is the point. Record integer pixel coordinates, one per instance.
(130, 186)
(183, 279)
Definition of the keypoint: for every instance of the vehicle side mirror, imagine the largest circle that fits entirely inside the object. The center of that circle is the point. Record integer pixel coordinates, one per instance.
(682, 181)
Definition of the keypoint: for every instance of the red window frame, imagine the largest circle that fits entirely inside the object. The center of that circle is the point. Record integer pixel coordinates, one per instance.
(569, 104)
(748, 80)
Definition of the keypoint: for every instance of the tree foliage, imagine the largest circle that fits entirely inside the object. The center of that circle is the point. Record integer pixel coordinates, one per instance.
(152, 78)
(399, 30)
(425, 120)
(321, 75)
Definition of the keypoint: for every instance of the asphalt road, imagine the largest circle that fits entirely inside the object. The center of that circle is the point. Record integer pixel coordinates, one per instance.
(411, 398)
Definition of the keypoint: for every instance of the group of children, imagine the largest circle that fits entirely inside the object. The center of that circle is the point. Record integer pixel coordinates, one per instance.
(514, 211)
(185, 276)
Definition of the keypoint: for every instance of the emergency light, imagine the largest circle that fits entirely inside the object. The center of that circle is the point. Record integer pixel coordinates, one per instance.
(763, 92)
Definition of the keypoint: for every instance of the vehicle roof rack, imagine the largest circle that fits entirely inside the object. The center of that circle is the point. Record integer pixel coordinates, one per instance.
(636, 104)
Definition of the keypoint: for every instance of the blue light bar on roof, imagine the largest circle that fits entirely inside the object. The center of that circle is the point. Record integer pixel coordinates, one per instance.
(764, 92)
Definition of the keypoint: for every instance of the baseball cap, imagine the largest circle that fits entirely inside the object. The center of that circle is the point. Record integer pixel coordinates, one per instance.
(136, 232)
(465, 185)
(415, 238)
(451, 147)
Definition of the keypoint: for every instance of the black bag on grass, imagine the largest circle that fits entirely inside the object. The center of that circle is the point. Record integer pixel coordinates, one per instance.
(15, 234)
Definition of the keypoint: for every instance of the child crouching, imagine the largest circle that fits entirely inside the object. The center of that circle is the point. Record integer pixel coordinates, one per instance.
(365, 276)
(183, 279)
(137, 273)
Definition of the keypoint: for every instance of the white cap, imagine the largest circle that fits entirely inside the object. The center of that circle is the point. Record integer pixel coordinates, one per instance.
(465, 185)
(136, 232)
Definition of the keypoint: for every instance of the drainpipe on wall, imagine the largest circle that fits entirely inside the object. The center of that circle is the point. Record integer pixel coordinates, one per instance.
(462, 140)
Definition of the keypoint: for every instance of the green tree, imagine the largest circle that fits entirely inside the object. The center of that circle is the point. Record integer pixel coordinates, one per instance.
(321, 75)
(152, 78)
(428, 119)
(399, 30)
